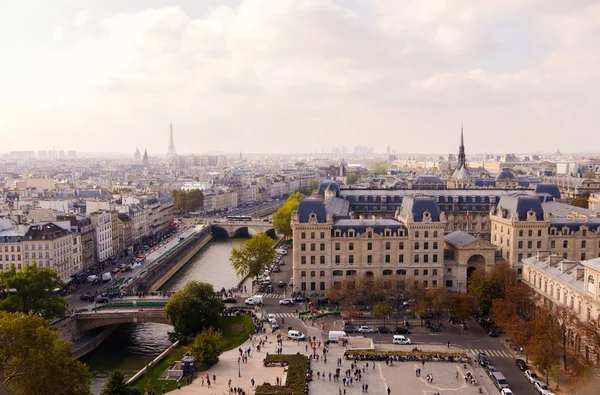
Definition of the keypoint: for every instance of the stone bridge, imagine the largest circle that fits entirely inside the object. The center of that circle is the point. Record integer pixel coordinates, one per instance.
(234, 228)
(75, 326)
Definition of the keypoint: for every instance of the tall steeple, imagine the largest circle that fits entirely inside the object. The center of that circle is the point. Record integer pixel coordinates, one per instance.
(171, 152)
(462, 160)
(145, 158)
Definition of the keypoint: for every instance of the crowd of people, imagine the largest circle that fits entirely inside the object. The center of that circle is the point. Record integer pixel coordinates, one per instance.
(355, 356)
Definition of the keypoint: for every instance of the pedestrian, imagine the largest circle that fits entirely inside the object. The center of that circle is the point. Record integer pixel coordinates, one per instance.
(366, 387)
(363, 388)
(203, 381)
(329, 376)
(469, 343)
(164, 389)
(178, 385)
(215, 378)
(252, 382)
(389, 391)
(448, 344)
(208, 383)
(229, 383)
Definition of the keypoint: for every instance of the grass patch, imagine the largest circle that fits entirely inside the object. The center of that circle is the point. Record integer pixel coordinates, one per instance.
(236, 330)
(295, 381)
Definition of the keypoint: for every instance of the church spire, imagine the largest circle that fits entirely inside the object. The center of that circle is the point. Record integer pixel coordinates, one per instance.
(462, 161)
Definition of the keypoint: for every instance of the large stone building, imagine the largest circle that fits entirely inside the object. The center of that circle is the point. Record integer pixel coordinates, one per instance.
(82, 225)
(103, 236)
(328, 249)
(48, 245)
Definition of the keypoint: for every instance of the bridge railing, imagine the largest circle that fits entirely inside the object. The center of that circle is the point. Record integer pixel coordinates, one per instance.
(126, 305)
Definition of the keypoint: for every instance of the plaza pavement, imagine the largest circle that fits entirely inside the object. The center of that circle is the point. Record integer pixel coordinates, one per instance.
(400, 377)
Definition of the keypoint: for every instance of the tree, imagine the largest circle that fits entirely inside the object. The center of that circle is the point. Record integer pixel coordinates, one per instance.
(178, 198)
(352, 179)
(193, 308)
(207, 347)
(545, 345)
(514, 313)
(115, 385)
(580, 202)
(194, 200)
(590, 175)
(314, 185)
(253, 257)
(485, 288)
(33, 361)
(396, 292)
(464, 306)
(34, 291)
(382, 310)
(439, 299)
(282, 219)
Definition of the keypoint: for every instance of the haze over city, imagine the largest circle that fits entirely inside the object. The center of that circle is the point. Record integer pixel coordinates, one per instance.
(256, 75)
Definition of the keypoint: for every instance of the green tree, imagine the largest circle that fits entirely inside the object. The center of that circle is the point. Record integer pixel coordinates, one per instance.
(485, 288)
(194, 200)
(34, 286)
(193, 308)
(115, 385)
(282, 219)
(464, 306)
(207, 347)
(178, 198)
(351, 179)
(382, 310)
(580, 202)
(439, 299)
(33, 361)
(590, 175)
(254, 256)
(314, 185)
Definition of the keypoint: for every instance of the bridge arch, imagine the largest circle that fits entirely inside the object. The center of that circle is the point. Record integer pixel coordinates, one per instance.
(88, 321)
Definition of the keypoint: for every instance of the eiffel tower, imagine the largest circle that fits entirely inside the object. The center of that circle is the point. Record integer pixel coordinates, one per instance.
(171, 152)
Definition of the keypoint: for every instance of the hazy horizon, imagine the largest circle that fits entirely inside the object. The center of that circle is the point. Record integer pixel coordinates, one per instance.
(299, 76)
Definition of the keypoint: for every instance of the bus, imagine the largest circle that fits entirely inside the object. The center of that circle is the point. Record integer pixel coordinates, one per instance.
(238, 218)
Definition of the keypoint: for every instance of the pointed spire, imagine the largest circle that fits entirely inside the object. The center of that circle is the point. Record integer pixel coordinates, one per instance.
(462, 143)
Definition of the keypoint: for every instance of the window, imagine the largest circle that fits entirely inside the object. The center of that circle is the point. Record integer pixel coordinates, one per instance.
(401, 245)
(322, 286)
(303, 274)
(553, 244)
(582, 243)
(425, 272)
(401, 258)
(387, 245)
(425, 283)
(435, 258)
(312, 235)
(425, 258)
(416, 272)
(369, 259)
(313, 260)
(435, 233)
(434, 283)
(539, 244)
(583, 256)
(416, 245)
(322, 247)
(434, 272)
(520, 257)
(351, 246)
(425, 245)
(417, 233)
(302, 247)
(351, 259)
(303, 235)
(530, 232)
(426, 234)
(387, 259)
(313, 247)
(313, 273)
(322, 260)
(520, 245)
(322, 235)
(449, 283)
(337, 273)
(337, 259)
(387, 272)
(529, 244)
(369, 246)
(313, 286)
(337, 246)
(566, 244)
(435, 245)
(303, 286)
(322, 273)
(416, 259)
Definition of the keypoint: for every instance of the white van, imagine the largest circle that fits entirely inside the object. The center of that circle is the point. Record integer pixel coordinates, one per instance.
(295, 335)
(399, 339)
(92, 278)
(106, 277)
(335, 336)
(254, 300)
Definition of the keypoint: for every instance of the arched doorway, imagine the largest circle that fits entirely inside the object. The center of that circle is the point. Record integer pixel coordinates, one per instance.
(475, 262)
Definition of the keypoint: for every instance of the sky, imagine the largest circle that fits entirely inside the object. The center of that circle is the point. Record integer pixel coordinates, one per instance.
(286, 76)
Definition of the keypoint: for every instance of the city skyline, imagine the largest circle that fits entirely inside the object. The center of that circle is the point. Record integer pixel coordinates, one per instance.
(238, 75)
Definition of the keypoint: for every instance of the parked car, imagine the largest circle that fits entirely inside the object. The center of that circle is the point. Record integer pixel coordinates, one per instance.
(229, 299)
(350, 329)
(401, 330)
(276, 269)
(542, 388)
(87, 297)
(102, 299)
(490, 369)
(301, 299)
(521, 365)
(366, 329)
(286, 302)
(383, 329)
(493, 333)
(295, 335)
(531, 376)
(116, 270)
(281, 284)
(506, 391)
(482, 359)
(399, 339)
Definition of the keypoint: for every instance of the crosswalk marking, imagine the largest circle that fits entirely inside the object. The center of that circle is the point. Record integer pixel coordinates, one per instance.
(491, 353)
(285, 315)
(273, 296)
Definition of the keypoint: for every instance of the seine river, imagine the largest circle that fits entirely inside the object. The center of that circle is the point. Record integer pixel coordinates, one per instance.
(132, 346)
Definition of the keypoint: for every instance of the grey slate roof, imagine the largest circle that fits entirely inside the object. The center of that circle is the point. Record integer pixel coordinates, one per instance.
(332, 184)
(379, 225)
(505, 174)
(459, 238)
(521, 204)
(419, 205)
(338, 207)
(310, 205)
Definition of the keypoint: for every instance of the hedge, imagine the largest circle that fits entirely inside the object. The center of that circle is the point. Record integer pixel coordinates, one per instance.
(407, 353)
(296, 375)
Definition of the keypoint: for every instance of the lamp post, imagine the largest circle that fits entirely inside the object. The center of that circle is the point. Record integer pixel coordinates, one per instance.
(239, 371)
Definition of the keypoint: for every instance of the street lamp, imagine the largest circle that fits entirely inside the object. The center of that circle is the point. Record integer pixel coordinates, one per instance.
(239, 371)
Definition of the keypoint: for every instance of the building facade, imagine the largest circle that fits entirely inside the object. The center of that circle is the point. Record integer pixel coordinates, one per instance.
(101, 221)
(48, 245)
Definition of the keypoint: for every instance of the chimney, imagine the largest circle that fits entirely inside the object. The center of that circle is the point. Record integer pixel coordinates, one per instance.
(580, 272)
(374, 218)
(361, 218)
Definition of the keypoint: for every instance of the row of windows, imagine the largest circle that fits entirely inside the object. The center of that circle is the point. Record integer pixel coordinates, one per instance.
(12, 257)
(387, 272)
(440, 199)
(12, 249)
(312, 235)
(388, 259)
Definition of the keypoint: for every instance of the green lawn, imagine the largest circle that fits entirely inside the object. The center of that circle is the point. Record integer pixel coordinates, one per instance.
(236, 331)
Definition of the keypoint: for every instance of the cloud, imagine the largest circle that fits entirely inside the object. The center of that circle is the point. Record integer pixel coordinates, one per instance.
(318, 73)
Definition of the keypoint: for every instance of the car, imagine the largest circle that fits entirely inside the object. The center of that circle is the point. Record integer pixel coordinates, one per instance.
(490, 369)
(365, 329)
(102, 299)
(295, 335)
(383, 329)
(276, 269)
(542, 388)
(399, 339)
(87, 297)
(506, 391)
(521, 365)
(482, 359)
(401, 330)
(271, 316)
(350, 329)
(531, 376)
(493, 333)
(273, 323)
(229, 299)
(301, 299)
(281, 284)
(116, 270)
(286, 302)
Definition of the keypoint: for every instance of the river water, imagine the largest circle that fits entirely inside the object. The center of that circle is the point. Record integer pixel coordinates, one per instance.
(132, 346)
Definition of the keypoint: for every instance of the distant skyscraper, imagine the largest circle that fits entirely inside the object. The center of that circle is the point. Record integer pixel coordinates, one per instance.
(171, 152)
